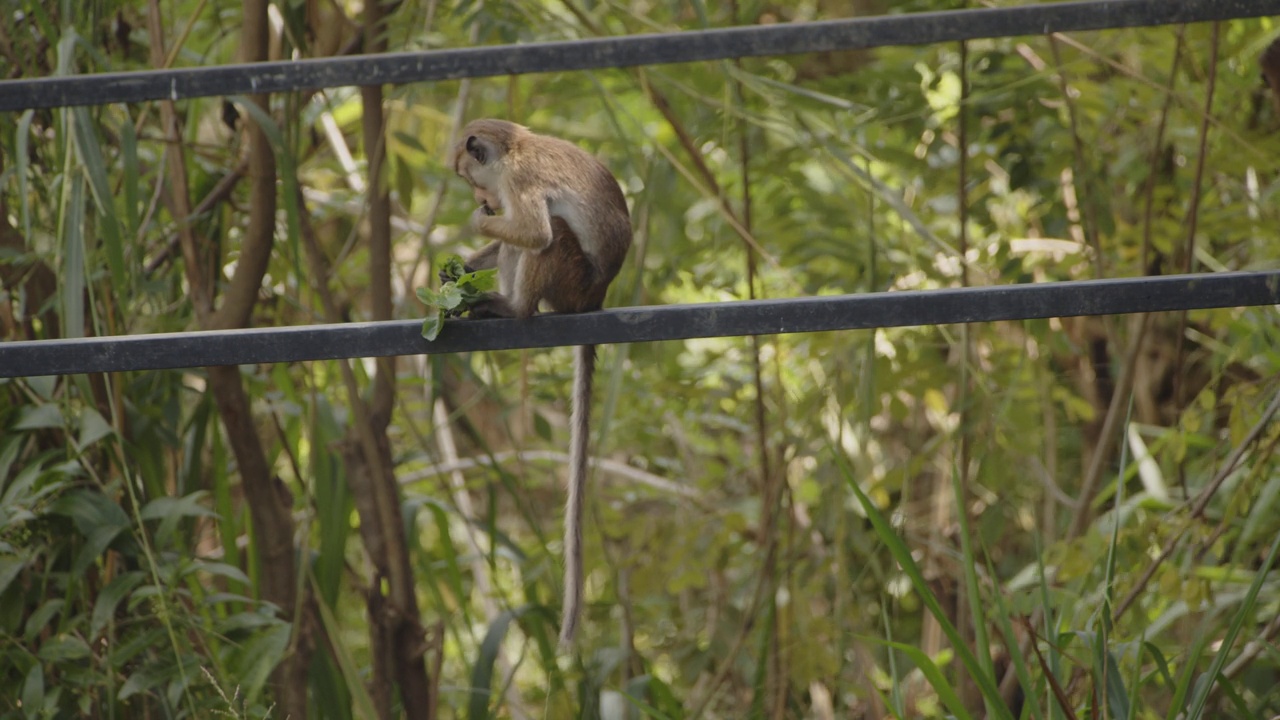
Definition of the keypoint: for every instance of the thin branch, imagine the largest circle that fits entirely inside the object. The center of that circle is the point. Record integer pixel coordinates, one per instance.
(1157, 146)
(1193, 217)
(1110, 433)
(705, 182)
(1197, 187)
(479, 568)
(1199, 504)
(220, 192)
(612, 467)
(1083, 173)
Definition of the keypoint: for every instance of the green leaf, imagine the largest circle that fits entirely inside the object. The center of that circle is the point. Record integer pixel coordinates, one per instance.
(110, 596)
(1162, 665)
(33, 687)
(453, 267)
(220, 569)
(9, 448)
(450, 296)
(259, 657)
(1241, 616)
(448, 554)
(541, 427)
(96, 543)
(456, 295)
(481, 281)
(129, 154)
(71, 278)
(43, 385)
(410, 141)
(902, 554)
(1229, 689)
(93, 427)
(147, 677)
(91, 511)
(431, 326)
(90, 151)
(10, 566)
(1262, 511)
(428, 296)
(933, 674)
(404, 183)
(662, 702)
(482, 674)
(1107, 668)
(23, 155)
(39, 620)
(39, 417)
(363, 704)
(17, 491)
(98, 519)
(63, 648)
(250, 620)
(167, 507)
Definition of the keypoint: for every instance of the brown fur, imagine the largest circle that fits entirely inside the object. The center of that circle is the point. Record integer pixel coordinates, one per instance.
(561, 236)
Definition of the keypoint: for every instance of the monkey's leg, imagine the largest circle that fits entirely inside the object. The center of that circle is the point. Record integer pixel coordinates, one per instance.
(576, 285)
(523, 277)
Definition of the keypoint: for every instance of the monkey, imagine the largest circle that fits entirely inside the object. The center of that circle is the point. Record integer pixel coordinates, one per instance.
(561, 231)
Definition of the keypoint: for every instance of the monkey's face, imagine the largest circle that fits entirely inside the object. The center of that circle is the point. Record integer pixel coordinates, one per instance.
(478, 160)
(486, 198)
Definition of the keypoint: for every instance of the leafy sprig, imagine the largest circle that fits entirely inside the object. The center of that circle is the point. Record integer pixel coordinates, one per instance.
(460, 289)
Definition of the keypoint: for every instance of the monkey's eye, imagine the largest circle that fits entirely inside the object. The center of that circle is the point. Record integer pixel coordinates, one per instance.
(476, 149)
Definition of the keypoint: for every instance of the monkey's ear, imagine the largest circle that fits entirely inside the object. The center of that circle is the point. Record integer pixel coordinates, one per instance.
(477, 149)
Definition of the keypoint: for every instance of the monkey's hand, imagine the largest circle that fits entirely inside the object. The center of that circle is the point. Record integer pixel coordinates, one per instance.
(484, 197)
(486, 222)
(479, 216)
(492, 305)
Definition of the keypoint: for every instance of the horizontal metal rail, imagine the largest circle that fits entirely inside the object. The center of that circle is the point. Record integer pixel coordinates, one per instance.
(642, 324)
(615, 52)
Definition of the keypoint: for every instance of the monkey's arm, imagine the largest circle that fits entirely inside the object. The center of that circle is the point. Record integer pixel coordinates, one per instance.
(486, 257)
(525, 223)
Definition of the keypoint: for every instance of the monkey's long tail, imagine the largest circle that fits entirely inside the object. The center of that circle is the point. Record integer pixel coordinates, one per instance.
(580, 433)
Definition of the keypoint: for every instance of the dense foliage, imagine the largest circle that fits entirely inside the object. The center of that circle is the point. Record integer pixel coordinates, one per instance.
(1046, 519)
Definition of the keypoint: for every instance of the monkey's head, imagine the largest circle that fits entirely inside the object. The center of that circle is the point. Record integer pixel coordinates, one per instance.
(481, 154)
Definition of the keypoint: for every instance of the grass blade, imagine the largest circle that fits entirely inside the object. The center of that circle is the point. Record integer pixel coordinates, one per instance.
(350, 671)
(129, 159)
(1201, 697)
(90, 151)
(902, 555)
(482, 673)
(937, 680)
(71, 285)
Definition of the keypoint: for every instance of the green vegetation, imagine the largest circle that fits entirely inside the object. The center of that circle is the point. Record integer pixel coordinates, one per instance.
(459, 291)
(1069, 518)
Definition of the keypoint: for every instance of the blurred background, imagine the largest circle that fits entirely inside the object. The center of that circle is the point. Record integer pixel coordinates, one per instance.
(1059, 518)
